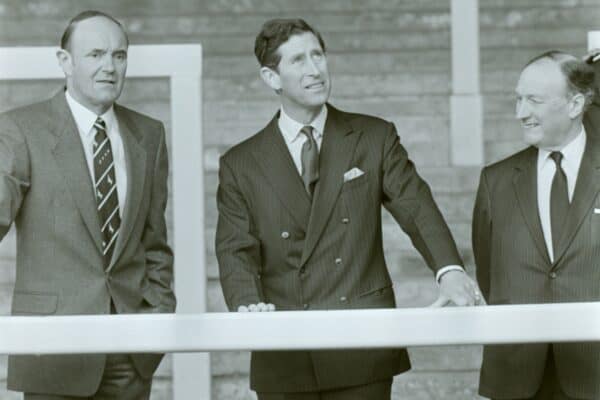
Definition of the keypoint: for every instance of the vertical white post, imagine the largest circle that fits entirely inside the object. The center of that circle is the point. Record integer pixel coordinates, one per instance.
(191, 371)
(466, 110)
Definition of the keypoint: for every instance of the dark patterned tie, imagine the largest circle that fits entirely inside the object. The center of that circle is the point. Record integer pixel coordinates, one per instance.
(310, 160)
(106, 190)
(559, 200)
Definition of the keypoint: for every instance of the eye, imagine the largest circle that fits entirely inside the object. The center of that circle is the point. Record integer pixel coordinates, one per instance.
(121, 56)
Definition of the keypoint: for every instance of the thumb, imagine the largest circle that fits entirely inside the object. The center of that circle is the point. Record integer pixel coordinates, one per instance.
(440, 302)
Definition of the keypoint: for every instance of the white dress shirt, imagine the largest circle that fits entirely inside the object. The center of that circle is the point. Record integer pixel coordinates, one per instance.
(84, 119)
(546, 167)
(294, 139)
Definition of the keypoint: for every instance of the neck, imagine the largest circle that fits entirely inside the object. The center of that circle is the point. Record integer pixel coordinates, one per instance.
(571, 135)
(96, 109)
(302, 115)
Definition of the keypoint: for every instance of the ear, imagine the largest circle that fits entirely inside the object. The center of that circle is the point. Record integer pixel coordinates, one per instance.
(65, 61)
(271, 78)
(577, 105)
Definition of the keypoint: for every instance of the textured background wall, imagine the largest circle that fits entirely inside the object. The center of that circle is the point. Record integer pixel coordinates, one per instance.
(389, 58)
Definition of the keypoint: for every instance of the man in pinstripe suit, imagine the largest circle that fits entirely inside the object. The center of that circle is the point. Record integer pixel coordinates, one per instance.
(536, 230)
(300, 222)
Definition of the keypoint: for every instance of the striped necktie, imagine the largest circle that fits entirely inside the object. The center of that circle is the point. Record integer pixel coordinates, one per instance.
(105, 184)
(310, 160)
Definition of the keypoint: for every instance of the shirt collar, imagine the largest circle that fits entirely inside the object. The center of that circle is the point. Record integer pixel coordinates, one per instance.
(84, 118)
(290, 128)
(572, 152)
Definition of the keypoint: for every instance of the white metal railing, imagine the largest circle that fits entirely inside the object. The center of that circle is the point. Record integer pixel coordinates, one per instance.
(565, 322)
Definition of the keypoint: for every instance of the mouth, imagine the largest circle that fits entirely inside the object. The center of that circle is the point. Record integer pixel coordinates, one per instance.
(315, 86)
(106, 81)
(529, 124)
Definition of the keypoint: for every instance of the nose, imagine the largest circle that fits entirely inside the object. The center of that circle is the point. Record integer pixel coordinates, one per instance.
(108, 65)
(312, 68)
(522, 110)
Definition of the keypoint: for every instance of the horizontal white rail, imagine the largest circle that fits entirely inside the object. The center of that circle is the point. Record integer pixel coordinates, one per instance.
(565, 322)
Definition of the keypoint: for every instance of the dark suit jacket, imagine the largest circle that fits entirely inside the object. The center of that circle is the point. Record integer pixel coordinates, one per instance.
(513, 267)
(46, 189)
(274, 245)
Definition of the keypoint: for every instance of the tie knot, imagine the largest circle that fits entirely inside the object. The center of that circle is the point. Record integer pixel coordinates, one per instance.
(100, 124)
(557, 156)
(307, 131)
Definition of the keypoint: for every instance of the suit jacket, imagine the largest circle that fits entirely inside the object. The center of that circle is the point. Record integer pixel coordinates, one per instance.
(275, 245)
(513, 267)
(46, 189)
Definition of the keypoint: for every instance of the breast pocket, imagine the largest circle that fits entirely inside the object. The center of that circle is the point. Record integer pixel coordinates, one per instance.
(355, 183)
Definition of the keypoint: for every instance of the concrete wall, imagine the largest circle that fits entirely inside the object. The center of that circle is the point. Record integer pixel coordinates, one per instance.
(389, 58)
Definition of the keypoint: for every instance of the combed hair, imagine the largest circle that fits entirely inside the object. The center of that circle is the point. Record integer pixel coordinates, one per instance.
(578, 74)
(64, 40)
(276, 32)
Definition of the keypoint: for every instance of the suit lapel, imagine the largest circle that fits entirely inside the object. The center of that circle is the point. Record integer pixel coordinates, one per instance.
(335, 156)
(276, 164)
(70, 158)
(525, 186)
(586, 190)
(135, 159)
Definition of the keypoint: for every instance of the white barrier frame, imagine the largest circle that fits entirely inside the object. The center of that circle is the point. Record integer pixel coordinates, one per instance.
(375, 328)
(182, 65)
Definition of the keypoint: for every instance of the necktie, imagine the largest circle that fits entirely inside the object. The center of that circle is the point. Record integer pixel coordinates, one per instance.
(105, 184)
(559, 200)
(310, 160)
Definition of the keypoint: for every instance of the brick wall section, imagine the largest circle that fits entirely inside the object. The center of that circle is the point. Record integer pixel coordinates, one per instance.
(389, 58)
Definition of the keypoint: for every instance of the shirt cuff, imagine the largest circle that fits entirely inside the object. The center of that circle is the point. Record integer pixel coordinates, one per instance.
(447, 268)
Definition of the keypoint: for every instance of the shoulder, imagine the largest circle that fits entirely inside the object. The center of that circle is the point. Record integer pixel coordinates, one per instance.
(506, 165)
(360, 121)
(244, 149)
(138, 119)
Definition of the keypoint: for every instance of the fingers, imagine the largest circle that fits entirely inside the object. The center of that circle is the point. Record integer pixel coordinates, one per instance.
(260, 307)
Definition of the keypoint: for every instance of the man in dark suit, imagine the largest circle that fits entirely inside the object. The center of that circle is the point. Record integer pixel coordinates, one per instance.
(85, 182)
(536, 230)
(300, 222)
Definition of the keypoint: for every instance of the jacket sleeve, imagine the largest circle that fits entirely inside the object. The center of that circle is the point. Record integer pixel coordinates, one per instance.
(481, 235)
(14, 172)
(159, 257)
(408, 198)
(237, 245)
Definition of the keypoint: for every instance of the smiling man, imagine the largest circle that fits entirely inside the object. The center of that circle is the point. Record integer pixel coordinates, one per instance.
(536, 230)
(85, 182)
(300, 222)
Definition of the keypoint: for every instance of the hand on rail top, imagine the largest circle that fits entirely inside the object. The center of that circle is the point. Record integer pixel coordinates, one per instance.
(458, 288)
(592, 56)
(260, 307)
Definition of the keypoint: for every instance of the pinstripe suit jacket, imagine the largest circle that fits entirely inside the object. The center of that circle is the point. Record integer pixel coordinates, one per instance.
(275, 245)
(513, 267)
(46, 190)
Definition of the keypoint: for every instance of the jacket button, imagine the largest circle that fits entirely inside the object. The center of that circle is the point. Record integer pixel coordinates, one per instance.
(345, 220)
(285, 235)
(338, 261)
(305, 306)
(553, 275)
(301, 235)
(302, 271)
(343, 299)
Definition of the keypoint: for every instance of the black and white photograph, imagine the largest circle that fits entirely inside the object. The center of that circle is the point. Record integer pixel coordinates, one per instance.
(300, 200)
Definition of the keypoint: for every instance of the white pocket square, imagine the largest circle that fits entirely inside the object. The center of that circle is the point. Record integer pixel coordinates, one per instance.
(352, 174)
(596, 210)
